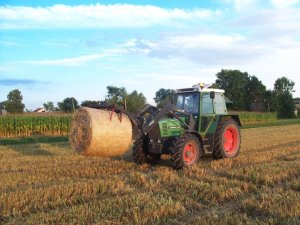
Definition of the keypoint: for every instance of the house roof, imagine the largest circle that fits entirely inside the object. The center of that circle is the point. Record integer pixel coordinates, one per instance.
(39, 110)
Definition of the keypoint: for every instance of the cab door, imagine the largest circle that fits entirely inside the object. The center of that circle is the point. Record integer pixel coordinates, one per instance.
(207, 113)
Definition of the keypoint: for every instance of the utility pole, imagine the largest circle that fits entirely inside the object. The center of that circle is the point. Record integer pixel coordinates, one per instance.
(125, 104)
(73, 105)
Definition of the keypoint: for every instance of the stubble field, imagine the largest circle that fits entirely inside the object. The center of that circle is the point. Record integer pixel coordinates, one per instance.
(43, 183)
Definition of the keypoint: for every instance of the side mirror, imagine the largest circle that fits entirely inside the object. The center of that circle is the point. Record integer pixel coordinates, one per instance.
(212, 94)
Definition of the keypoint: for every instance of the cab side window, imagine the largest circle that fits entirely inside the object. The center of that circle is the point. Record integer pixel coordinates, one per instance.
(179, 103)
(207, 104)
(219, 102)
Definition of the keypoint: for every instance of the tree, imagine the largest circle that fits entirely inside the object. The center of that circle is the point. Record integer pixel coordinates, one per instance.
(256, 90)
(235, 83)
(14, 102)
(88, 103)
(68, 105)
(163, 95)
(284, 102)
(283, 84)
(135, 102)
(116, 95)
(269, 101)
(285, 106)
(49, 106)
(242, 89)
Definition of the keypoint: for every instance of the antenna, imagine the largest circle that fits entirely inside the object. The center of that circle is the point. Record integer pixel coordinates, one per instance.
(203, 85)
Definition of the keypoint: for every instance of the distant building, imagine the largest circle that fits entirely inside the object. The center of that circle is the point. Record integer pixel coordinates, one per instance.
(297, 105)
(297, 110)
(3, 112)
(257, 107)
(39, 110)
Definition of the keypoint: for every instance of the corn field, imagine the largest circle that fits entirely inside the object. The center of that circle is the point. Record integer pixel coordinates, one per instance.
(28, 125)
(59, 124)
(248, 118)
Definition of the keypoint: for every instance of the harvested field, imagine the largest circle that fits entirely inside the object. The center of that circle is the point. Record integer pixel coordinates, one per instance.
(44, 183)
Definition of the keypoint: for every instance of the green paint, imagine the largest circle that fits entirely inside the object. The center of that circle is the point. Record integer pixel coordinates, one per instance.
(170, 127)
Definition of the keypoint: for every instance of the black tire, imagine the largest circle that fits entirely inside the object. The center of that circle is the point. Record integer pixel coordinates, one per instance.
(179, 157)
(224, 146)
(141, 154)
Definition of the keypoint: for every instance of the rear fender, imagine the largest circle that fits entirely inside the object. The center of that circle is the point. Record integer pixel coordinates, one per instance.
(235, 117)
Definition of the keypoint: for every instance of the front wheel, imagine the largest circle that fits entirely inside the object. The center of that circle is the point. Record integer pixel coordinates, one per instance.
(141, 154)
(186, 151)
(227, 140)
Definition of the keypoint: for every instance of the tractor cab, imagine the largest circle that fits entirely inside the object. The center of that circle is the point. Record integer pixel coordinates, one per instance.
(203, 102)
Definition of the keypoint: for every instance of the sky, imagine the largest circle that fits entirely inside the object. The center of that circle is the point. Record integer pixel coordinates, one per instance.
(51, 50)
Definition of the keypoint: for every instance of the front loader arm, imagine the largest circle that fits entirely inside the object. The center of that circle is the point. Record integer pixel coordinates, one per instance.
(143, 122)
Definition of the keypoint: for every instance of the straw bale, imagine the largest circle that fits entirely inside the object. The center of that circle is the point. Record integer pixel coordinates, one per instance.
(94, 134)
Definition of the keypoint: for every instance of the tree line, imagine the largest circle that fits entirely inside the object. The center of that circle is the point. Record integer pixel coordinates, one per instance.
(246, 92)
(132, 101)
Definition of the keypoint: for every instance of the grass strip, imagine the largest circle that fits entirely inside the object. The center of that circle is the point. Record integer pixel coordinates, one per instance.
(281, 122)
(33, 139)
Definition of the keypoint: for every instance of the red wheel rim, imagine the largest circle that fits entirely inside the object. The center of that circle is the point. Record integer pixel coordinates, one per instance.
(190, 153)
(231, 140)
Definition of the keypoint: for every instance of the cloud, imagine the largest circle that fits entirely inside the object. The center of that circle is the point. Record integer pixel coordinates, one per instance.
(242, 4)
(76, 61)
(10, 43)
(267, 17)
(13, 82)
(284, 3)
(205, 40)
(95, 16)
(274, 27)
(248, 37)
(202, 49)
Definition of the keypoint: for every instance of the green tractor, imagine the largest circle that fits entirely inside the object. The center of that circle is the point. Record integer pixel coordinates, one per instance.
(196, 124)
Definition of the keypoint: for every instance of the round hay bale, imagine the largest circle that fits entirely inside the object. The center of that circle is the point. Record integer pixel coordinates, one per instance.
(94, 134)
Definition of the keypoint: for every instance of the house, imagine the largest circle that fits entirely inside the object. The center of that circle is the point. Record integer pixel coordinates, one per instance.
(257, 107)
(39, 110)
(3, 112)
(297, 110)
(297, 105)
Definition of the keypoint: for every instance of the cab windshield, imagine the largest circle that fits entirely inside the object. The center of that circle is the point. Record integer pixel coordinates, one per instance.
(188, 102)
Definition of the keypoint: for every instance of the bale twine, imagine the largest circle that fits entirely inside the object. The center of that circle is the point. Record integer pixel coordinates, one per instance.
(94, 134)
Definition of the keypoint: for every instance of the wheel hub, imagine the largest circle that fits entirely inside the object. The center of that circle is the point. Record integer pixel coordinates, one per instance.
(230, 140)
(189, 153)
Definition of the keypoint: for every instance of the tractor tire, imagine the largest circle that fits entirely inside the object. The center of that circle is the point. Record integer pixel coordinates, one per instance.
(185, 151)
(141, 154)
(227, 140)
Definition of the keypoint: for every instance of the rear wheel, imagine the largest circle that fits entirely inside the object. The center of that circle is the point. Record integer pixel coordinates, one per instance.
(186, 151)
(227, 140)
(141, 154)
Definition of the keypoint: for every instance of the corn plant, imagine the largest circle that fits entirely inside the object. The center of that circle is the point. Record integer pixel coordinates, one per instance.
(27, 125)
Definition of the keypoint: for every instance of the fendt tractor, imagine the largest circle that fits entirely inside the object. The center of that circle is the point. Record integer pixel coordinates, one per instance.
(196, 124)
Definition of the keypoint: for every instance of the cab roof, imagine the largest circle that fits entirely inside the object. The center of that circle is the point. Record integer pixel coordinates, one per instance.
(200, 88)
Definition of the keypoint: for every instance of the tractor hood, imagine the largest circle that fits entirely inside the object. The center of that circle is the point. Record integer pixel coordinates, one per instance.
(170, 127)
